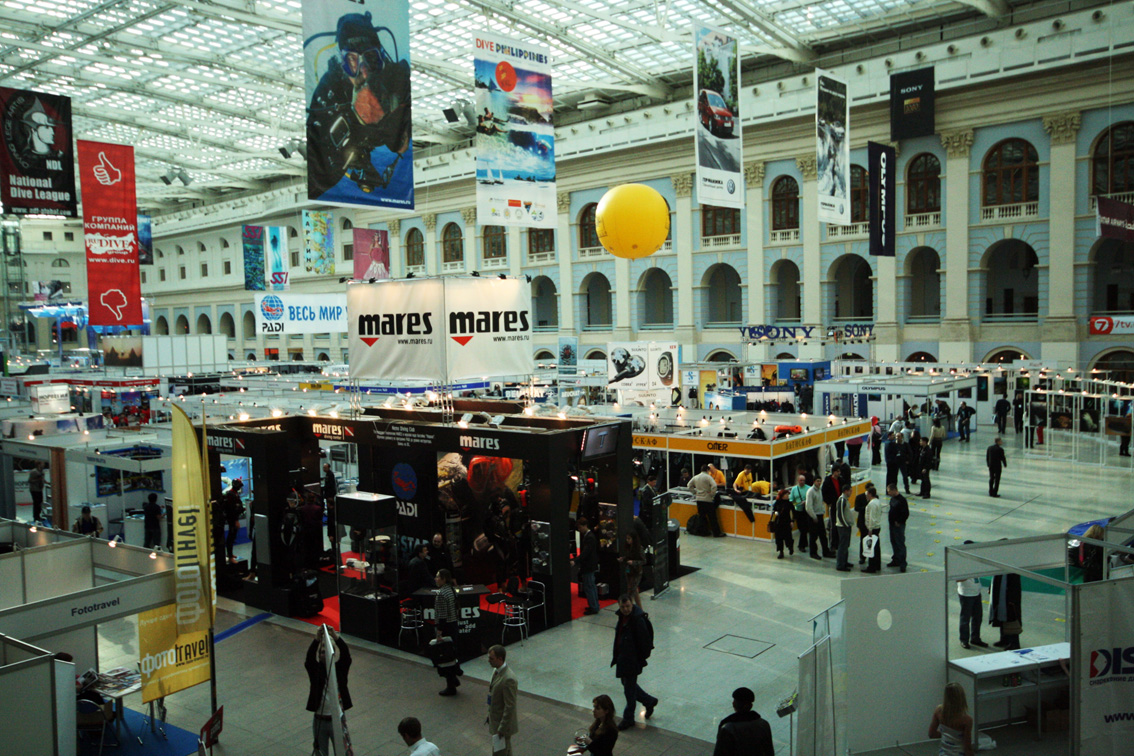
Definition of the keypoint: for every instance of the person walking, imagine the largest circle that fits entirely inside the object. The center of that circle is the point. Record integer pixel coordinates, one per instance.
(964, 419)
(633, 561)
(782, 511)
(874, 528)
(972, 612)
(503, 689)
(996, 462)
(410, 730)
(36, 483)
(875, 442)
(446, 616)
(926, 460)
(603, 732)
(321, 700)
(744, 732)
(632, 646)
(843, 515)
(937, 438)
(587, 562)
(152, 513)
(832, 487)
(798, 498)
(818, 534)
(893, 458)
(1000, 412)
(898, 515)
(704, 488)
(952, 724)
(1018, 412)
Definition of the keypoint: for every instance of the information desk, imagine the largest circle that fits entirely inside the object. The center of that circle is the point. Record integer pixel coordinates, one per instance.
(472, 625)
(983, 679)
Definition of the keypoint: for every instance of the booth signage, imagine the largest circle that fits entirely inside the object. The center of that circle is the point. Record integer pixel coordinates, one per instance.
(1106, 667)
(50, 399)
(1108, 326)
(768, 332)
(289, 313)
(9, 386)
(169, 662)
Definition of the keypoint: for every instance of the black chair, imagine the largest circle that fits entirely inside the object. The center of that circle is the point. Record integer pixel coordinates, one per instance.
(94, 719)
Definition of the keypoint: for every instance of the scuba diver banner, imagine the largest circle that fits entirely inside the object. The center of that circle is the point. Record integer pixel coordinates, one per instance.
(276, 263)
(832, 137)
(252, 238)
(515, 133)
(37, 163)
(357, 71)
(720, 167)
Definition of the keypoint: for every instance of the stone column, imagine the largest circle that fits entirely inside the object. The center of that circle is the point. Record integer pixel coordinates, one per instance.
(472, 247)
(683, 246)
(956, 335)
(517, 254)
(563, 252)
(432, 253)
(754, 227)
(397, 256)
(812, 294)
(1059, 331)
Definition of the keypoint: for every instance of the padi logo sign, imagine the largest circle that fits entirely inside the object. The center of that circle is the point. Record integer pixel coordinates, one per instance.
(476, 442)
(372, 327)
(464, 325)
(1112, 665)
(407, 508)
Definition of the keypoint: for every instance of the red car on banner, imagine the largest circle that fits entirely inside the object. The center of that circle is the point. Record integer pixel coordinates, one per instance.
(1106, 326)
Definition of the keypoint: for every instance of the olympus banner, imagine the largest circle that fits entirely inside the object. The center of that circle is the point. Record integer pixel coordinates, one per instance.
(882, 162)
(301, 313)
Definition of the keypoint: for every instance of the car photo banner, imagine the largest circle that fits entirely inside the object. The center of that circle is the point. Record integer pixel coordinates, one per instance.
(319, 242)
(716, 76)
(289, 313)
(37, 162)
(832, 148)
(110, 233)
(356, 62)
(252, 240)
(371, 254)
(276, 262)
(882, 166)
(515, 133)
(145, 240)
(912, 104)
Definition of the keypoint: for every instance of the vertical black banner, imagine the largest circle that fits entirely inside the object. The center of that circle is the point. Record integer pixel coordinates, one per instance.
(882, 165)
(912, 104)
(37, 159)
(661, 542)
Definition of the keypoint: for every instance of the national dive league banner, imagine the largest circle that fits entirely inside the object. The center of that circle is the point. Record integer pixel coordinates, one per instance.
(110, 233)
(912, 106)
(515, 133)
(832, 136)
(252, 240)
(1104, 669)
(289, 313)
(319, 242)
(371, 254)
(882, 165)
(720, 166)
(356, 62)
(276, 263)
(37, 162)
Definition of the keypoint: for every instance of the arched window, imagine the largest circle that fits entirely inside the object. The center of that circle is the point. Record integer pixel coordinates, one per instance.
(1112, 164)
(60, 262)
(180, 250)
(248, 325)
(852, 288)
(859, 195)
(345, 224)
(201, 247)
(722, 300)
(721, 355)
(719, 221)
(784, 298)
(292, 233)
(785, 204)
(452, 244)
(1119, 365)
(544, 354)
(655, 299)
(1004, 356)
(1011, 173)
(181, 325)
(1012, 285)
(924, 293)
(227, 325)
(588, 232)
(923, 185)
(1112, 277)
(204, 325)
(597, 302)
(224, 243)
(415, 248)
(495, 242)
(541, 240)
(160, 254)
(161, 326)
(921, 357)
(545, 303)
(595, 354)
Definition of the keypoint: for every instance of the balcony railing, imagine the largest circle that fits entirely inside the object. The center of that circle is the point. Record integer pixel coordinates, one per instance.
(417, 270)
(784, 236)
(591, 253)
(923, 220)
(718, 242)
(456, 266)
(494, 262)
(1010, 212)
(1010, 317)
(1127, 197)
(546, 328)
(722, 323)
(541, 257)
(846, 232)
(656, 326)
(918, 319)
(598, 327)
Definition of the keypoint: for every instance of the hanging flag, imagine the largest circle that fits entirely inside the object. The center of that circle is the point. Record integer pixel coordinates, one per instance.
(882, 165)
(253, 241)
(145, 240)
(359, 132)
(371, 254)
(515, 133)
(912, 104)
(110, 233)
(319, 242)
(720, 165)
(832, 131)
(1114, 219)
(276, 263)
(37, 163)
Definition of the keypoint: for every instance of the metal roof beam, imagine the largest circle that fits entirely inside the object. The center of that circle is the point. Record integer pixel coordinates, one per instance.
(990, 8)
(745, 14)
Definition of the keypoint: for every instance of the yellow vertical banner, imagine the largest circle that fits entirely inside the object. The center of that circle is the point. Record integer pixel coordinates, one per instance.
(173, 641)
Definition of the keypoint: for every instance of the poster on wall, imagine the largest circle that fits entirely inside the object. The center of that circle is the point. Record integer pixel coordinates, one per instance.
(1105, 667)
(121, 351)
(289, 313)
(357, 75)
(37, 163)
(318, 242)
(1115, 219)
(50, 399)
(252, 239)
(832, 138)
(478, 500)
(276, 263)
(912, 104)
(371, 254)
(515, 133)
(48, 291)
(882, 163)
(145, 240)
(110, 233)
(720, 166)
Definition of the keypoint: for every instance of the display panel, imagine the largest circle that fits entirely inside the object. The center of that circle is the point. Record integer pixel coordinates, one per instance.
(599, 442)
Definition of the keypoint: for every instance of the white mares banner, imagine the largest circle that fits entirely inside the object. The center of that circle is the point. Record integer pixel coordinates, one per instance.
(515, 133)
(289, 313)
(276, 263)
(642, 366)
(832, 127)
(1105, 667)
(717, 90)
(488, 327)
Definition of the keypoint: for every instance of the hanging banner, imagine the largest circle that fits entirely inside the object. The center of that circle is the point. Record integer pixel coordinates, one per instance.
(48, 291)
(641, 365)
(371, 254)
(1115, 220)
(145, 240)
(832, 132)
(359, 132)
(882, 163)
(1106, 325)
(1105, 667)
(319, 242)
(253, 241)
(488, 327)
(912, 104)
(110, 233)
(515, 133)
(37, 164)
(720, 166)
(289, 313)
(276, 263)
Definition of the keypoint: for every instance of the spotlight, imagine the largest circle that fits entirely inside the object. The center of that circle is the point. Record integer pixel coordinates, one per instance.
(450, 115)
(503, 277)
(184, 177)
(168, 177)
(528, 277)
(285, 152)
(475, 274)
(410, 274)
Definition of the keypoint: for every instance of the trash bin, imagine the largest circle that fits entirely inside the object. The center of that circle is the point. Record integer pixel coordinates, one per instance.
(674, 545)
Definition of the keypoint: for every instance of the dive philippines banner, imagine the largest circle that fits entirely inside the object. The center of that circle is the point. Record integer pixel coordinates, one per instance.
(289, 313)
(37, 163)
(720, 166)
(318, 242)
(832, 137)
(1105, 667)
(912, 108)
(440, 329)
(515, 133)
(356, 62)
(882, 163)
(252, 240)
(371, 254)
(110, 233)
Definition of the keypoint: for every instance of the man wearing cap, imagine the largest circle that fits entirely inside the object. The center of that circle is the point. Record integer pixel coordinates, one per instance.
(744, 732)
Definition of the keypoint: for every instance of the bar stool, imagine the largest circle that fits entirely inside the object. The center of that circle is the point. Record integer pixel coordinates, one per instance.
(411, 619)
(515, 615)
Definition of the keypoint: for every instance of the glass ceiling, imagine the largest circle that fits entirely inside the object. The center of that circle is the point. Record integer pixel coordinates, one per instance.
(216, 88)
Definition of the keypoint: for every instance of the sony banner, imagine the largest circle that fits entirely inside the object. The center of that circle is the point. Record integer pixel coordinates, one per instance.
(110, 233)
(912, 104)
(1115, 219)
(289, 313)
(720, 166)
(37, 163)
(515, 133)
(356, 56)
(832, 134)
(882, 162)
(371, 254)
(276, 263)
(1104, 669)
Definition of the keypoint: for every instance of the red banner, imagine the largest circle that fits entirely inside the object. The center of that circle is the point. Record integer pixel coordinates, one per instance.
(110, 226)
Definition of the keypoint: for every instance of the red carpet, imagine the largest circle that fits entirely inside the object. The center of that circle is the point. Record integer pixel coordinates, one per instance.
(578, 603)
(329, 615)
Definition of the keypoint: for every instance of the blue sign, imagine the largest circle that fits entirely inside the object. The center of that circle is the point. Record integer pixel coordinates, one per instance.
(272, 307)
(403, 479)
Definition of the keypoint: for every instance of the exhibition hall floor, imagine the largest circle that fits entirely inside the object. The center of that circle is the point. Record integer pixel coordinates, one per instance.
(742, 619)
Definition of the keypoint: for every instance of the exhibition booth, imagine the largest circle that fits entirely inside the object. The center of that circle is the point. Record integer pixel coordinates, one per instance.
(887, 396)
(38, 692)
(1085, 420)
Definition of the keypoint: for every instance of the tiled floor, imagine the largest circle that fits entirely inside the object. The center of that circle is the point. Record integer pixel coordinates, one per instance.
(741, 590)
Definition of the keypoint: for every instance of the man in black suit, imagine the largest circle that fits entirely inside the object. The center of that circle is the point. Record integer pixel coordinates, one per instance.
(996, 462)
(744, 731)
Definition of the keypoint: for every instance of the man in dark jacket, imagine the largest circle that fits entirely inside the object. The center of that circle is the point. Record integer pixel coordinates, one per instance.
(1000, 412)
(632, 644)
(964, 419)
(996, 461)
(233, 509)
(1018, 412)
(330, 492)
(893, 458)
(832, 486)
(926, 459)
(311, 514)
(587, 562)
(899, 513)
(744, 732)
(646, 496)
(321, 700)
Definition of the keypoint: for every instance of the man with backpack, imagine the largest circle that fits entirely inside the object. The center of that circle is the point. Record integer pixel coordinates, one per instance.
(633, 642)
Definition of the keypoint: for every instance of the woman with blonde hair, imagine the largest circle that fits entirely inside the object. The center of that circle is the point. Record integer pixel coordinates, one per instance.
(952, 723)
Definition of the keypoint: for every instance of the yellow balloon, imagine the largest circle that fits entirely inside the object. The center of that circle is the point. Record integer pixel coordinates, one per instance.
(632, 221)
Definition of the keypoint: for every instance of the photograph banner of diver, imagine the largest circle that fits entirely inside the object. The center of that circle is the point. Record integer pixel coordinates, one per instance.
(371, 254)
(912, 104)
(110, 233)
(359, 129)
(832, 138)
(287, 313)
(515, 133)
(882, 165)
(252, 238)
(319, 242)
(145, 240)
(720, 165)
(276, 262)
(37, 162)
